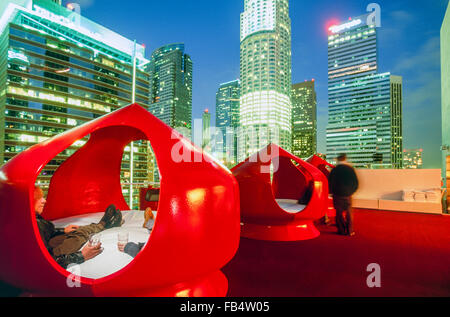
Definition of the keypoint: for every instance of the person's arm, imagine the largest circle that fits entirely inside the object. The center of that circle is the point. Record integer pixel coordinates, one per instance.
(58, 231)
(65, 260)
(87, 252)
(133, 249)
(68, 229)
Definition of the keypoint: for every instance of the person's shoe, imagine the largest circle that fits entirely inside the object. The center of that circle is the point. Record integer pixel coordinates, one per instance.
(116, 220)
(351, 234)
(108, 216)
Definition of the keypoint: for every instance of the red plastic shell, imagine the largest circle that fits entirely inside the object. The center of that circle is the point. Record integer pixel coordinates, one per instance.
(322, 165)
(196, 231)
(261, 216)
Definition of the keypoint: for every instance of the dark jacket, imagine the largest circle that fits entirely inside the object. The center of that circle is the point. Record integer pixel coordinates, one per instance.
(133, 249)
(48, 231)
(343, 181)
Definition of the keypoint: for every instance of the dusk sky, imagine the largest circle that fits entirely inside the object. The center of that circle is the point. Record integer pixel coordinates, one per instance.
(408, 41)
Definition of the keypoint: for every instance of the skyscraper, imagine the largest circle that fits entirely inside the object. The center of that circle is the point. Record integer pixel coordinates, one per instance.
(365, 107)
(265, 103)
(304, 119)
(171, 87)
(227, 121)
(206, 130)
(412, 159)
(60, 70)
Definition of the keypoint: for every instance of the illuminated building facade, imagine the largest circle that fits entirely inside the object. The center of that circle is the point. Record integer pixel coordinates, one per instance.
(304, 119)
(365, 107)
(265, 102)
(412, 159)
(171, 87)
(227, 121)
(206, 131)
(60, 70)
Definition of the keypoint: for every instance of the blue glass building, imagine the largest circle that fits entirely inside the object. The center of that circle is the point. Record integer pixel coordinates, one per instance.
(227, 121)
(365, 107)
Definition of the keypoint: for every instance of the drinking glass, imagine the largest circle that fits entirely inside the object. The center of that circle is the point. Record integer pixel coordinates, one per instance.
(94, 240)
(122, 238)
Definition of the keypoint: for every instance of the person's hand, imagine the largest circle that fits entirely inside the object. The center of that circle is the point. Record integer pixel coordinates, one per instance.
(70, 228)
(121, 247)
(90, 252)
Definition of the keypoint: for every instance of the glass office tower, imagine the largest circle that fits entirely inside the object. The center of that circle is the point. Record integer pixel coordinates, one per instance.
(265, 102)
(60, 70)
(171, 87)
(365, 107)
(304, 119)
(227, 121)
(171, 90)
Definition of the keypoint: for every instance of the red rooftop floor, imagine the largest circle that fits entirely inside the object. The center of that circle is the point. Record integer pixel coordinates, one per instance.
(413, 251)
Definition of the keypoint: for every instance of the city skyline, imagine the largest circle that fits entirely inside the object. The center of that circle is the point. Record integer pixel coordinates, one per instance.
(418, 60)
(409, 46)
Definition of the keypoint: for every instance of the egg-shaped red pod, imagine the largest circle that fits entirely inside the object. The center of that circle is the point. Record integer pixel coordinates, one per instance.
(321, 164)
(196, 231)
(325, 168)
(263, 215)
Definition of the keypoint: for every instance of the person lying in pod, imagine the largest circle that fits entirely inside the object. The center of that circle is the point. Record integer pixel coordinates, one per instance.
(64, 243)
(131, 248)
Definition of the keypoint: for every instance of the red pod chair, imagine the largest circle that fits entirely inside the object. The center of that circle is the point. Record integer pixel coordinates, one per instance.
(325, 168)
(321, 164)
(195, 234)
(148, 197)
(262, 217)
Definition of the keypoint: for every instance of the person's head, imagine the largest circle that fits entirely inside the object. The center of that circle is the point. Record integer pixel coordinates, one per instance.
(342, 158)
(39, 200)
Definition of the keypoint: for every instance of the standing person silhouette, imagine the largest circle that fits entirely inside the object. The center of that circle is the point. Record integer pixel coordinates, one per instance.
(343, 184)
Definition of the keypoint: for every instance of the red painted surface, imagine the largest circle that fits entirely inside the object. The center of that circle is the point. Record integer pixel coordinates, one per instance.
(262, 217)
(321, 164)
(325, 168)
(196, 231)
(412, 249)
